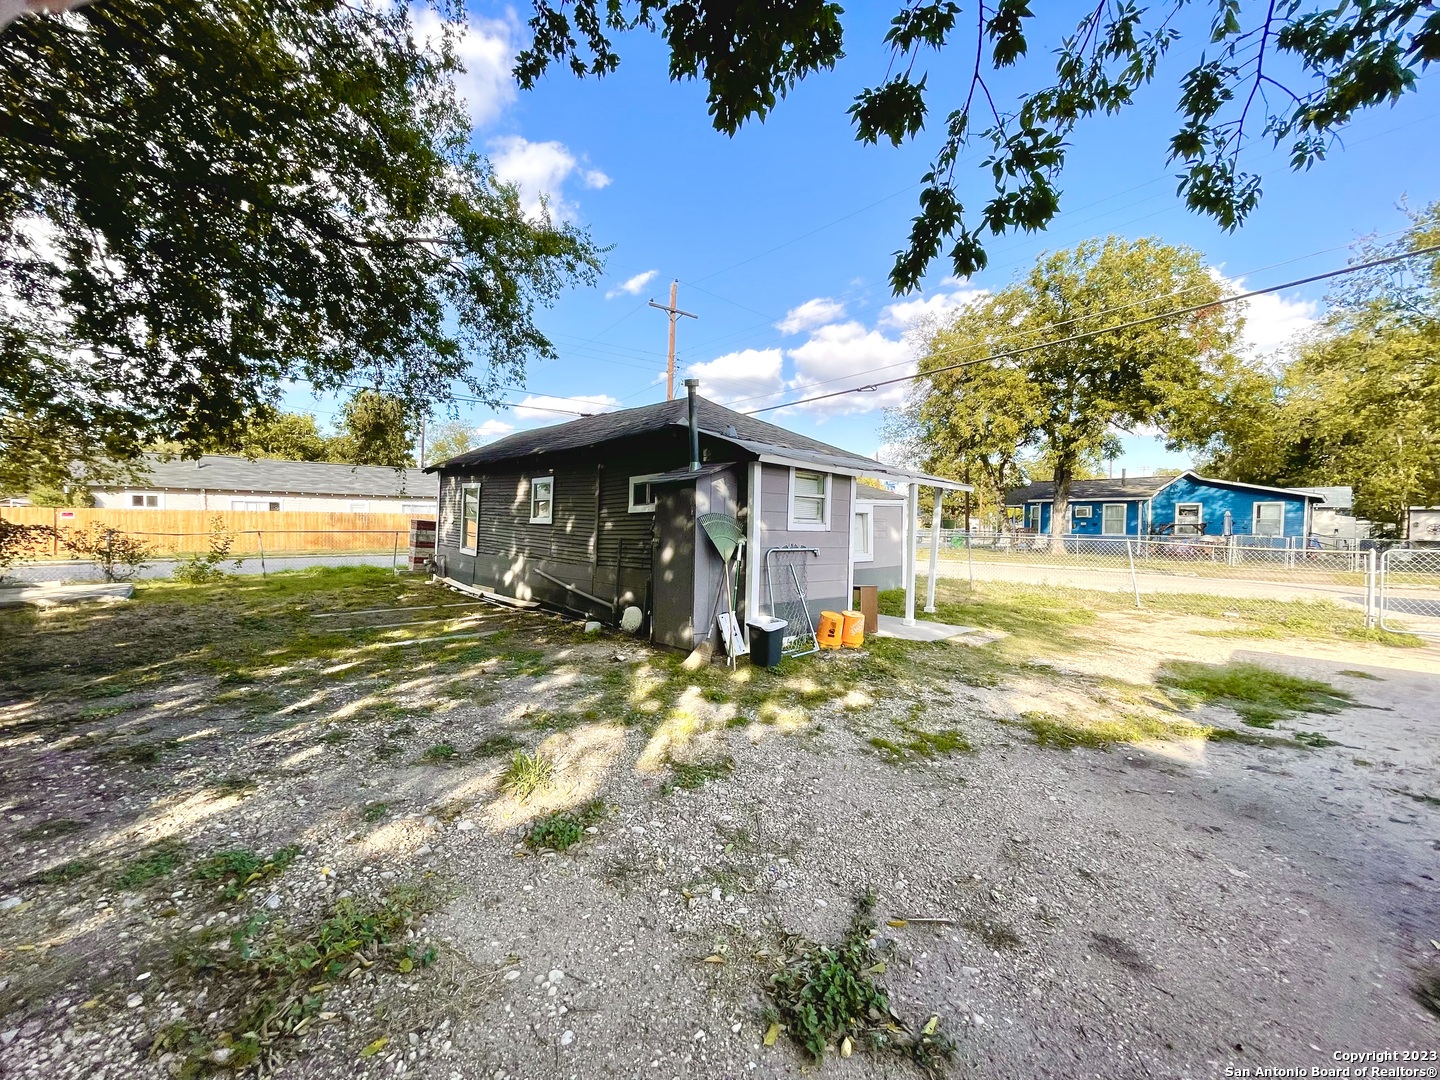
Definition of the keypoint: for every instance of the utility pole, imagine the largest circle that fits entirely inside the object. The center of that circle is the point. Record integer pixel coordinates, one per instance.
(674, 314)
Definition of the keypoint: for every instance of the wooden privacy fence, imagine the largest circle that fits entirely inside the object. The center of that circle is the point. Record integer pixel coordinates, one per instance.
(181, 532)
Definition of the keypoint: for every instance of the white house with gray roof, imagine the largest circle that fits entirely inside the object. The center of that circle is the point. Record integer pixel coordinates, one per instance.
(222, 482)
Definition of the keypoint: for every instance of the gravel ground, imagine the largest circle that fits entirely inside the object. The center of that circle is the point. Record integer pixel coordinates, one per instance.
(1168, 909)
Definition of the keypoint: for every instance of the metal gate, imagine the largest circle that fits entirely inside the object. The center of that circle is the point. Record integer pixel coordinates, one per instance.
(1409, 593)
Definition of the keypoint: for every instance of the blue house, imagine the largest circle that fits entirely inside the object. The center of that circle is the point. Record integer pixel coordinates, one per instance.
(1184, 505)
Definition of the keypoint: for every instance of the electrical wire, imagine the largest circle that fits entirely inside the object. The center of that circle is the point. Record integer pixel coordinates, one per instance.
(1008, 353)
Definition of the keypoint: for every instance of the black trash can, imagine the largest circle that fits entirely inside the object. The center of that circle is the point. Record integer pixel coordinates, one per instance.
(767, 636)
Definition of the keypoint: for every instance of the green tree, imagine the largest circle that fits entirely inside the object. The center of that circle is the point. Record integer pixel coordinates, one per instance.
(271, 433)
(199, 201)
(376, 429)
(1360, 403)
(447, 440)
(1287, 72)
(1064, 403)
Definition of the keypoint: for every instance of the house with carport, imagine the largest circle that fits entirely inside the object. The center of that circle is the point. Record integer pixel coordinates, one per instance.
(603, 514)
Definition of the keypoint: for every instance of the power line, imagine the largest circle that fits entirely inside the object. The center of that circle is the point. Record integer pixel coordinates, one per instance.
(872, 387)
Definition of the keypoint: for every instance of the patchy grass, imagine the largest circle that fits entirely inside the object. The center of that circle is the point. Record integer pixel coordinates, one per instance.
(827, 995)
(239, 869)
(526, 773)
(1355, 673)
(49, 830)
(372, 812)
(263, 985)
(237, 786)
(439, 754)
(1314, 739)
(497, 745)
(916, 742)
(1103, 729)
(1259, 695)
(67, 872)
(1426, 800)
(693, 774)
(563, 830)
(156, 861)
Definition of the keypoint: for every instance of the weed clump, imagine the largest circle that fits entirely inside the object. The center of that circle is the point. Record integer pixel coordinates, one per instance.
(156, 861)
(497, 745)
(827, 995)
(439, 754)
(265, 983)
(526, 773)
(919, 743)
(562, 831)
(240, 869)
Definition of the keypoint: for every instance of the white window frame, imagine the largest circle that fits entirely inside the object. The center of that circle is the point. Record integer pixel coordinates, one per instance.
(642, 508)
(827, 501)
(548, 482)
(1124, 518)
(1255, 518)
(868, 513)
(1082, 510)
(361, 508)
(417, 509)
(467, 487)
(1199, 512)
(240, 499)
(158, 496)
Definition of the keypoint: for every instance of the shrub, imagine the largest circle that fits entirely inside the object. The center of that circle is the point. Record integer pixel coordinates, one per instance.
(119, 555)
(205, 569)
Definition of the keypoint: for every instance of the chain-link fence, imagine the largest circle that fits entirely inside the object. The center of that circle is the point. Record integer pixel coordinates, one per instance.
(1249, 578)
(133, 555)
(1409, 590)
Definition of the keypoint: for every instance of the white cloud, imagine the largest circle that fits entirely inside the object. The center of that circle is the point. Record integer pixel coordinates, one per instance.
(631, 286)
(486, 49)
(739, 376)
(1272, 322)
(540, 170)
(809, 314)
(547, 409)
(904, 314)
(490, 430)
(841, 355)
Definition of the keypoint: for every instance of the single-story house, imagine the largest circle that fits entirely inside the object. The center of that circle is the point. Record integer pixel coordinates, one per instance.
(879, 537)
(603, 513)
(222, 482)
(1184, 505)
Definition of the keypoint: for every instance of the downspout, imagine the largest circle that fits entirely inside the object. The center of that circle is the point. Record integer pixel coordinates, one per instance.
(691, 385)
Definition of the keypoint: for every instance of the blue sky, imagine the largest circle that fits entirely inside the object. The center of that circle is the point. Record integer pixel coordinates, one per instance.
(782, 237)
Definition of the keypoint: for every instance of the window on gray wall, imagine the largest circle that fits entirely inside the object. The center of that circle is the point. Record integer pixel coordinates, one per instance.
(470, 518)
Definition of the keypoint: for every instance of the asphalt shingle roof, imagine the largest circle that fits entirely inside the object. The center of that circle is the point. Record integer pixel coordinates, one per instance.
(714, 420)
(220, 472)
(1132, 487)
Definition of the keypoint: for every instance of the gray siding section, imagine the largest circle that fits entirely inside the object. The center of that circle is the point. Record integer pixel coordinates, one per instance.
(887, 569)
(828, 574)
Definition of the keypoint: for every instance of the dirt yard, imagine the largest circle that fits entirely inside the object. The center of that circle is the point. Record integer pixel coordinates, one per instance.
(244, 832)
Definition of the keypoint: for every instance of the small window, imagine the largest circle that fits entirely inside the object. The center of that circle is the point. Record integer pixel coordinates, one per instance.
(359, 508)
(1270, 519)
(809, 500)
(642, 495)
(1082, 511)
(542, 500)
(151, 502)
(862, 539)
(421, 509)
(470, 518)
(261, 505)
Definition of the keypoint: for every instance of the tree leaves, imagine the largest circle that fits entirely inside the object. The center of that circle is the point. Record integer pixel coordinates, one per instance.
(1340, 57)
(201, 201)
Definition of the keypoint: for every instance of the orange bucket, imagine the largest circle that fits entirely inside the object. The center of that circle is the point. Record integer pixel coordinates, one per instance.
(852, 633)
(827, 634)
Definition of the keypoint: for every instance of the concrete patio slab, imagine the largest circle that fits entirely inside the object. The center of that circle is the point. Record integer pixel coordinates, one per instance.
(892, 627)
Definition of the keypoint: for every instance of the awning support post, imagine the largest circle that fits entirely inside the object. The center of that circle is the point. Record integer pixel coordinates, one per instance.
(934, 552)
(912, 538)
